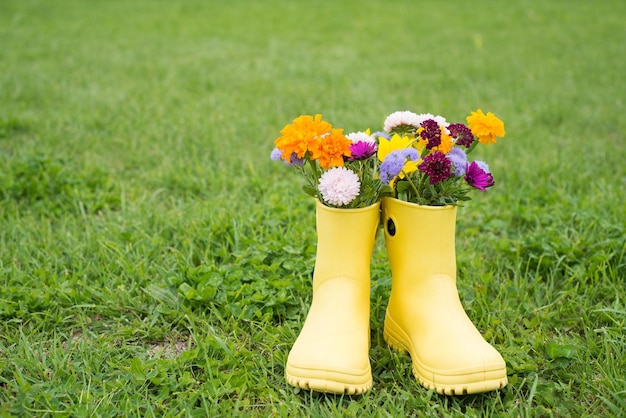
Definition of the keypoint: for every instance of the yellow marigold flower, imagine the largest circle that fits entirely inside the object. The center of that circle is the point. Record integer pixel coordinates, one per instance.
(297, 136)
(485, 127)
(330, 149)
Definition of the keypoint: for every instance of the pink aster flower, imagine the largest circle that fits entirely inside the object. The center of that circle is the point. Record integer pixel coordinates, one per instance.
(339, 186)
(476, 176)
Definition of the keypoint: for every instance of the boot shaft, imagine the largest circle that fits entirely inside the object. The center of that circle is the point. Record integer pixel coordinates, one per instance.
(345, 241)
(420, 237)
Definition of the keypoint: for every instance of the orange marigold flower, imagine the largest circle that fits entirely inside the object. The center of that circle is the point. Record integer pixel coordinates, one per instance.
(330, 149)
(297, 136)
(485, 127)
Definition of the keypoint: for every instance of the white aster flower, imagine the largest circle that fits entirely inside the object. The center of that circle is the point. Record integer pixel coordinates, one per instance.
(356, 137)
(339, 186)
(441, 121)
(412, 119)
(404, 117)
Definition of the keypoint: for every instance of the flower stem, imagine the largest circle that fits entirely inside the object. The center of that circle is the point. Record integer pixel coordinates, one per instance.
(471, 148)
(316, 178)
(417, 193)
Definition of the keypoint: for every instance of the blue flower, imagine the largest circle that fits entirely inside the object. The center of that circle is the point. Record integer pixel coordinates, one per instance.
(458, 158)
(411, 154)
(294, 160)
(394, 163)
(381, 134)
(277, 155)
(483, 166)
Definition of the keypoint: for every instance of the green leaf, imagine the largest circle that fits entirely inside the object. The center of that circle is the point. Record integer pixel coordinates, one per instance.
(137, 370)
(555, 350)
(402, 186)
(311, 191)
(187, 291)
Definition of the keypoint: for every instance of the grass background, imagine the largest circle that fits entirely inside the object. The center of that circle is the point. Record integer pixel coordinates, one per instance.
(154, 261)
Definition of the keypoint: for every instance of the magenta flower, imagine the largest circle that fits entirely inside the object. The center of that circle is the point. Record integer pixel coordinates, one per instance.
(436, 166)
(362, 150)
(476, 177)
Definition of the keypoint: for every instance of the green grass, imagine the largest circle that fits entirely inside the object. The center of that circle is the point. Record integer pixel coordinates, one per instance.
(154, 261)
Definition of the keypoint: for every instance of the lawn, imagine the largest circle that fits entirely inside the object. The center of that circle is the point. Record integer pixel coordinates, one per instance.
(154, 260)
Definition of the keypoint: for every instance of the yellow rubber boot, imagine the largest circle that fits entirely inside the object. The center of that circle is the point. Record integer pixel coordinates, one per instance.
(331, 354)
(425, 316)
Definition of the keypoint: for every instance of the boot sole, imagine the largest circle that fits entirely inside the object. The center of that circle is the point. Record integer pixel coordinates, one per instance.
(465, 382)
(328, 381)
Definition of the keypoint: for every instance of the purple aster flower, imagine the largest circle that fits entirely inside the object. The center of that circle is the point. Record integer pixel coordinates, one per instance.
(462, 134)
(477, 177)
(362, 150)
(458, 158)
(410, 154)
(392, 166)
(381, 134)
(483, 165)
(431, 133)
(436, 166)
(276, 154)
(294, 160)
(394, 163)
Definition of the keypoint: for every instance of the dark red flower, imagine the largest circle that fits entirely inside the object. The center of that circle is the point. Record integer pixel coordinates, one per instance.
(436, 166)
(462, 134)
(431, 133)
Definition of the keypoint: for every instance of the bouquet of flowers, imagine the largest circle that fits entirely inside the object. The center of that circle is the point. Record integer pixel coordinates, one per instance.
(421, 158)
(340, 170)
(425, 159)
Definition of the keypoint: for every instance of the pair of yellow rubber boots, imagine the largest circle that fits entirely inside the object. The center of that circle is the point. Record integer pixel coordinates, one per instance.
(424, 317)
